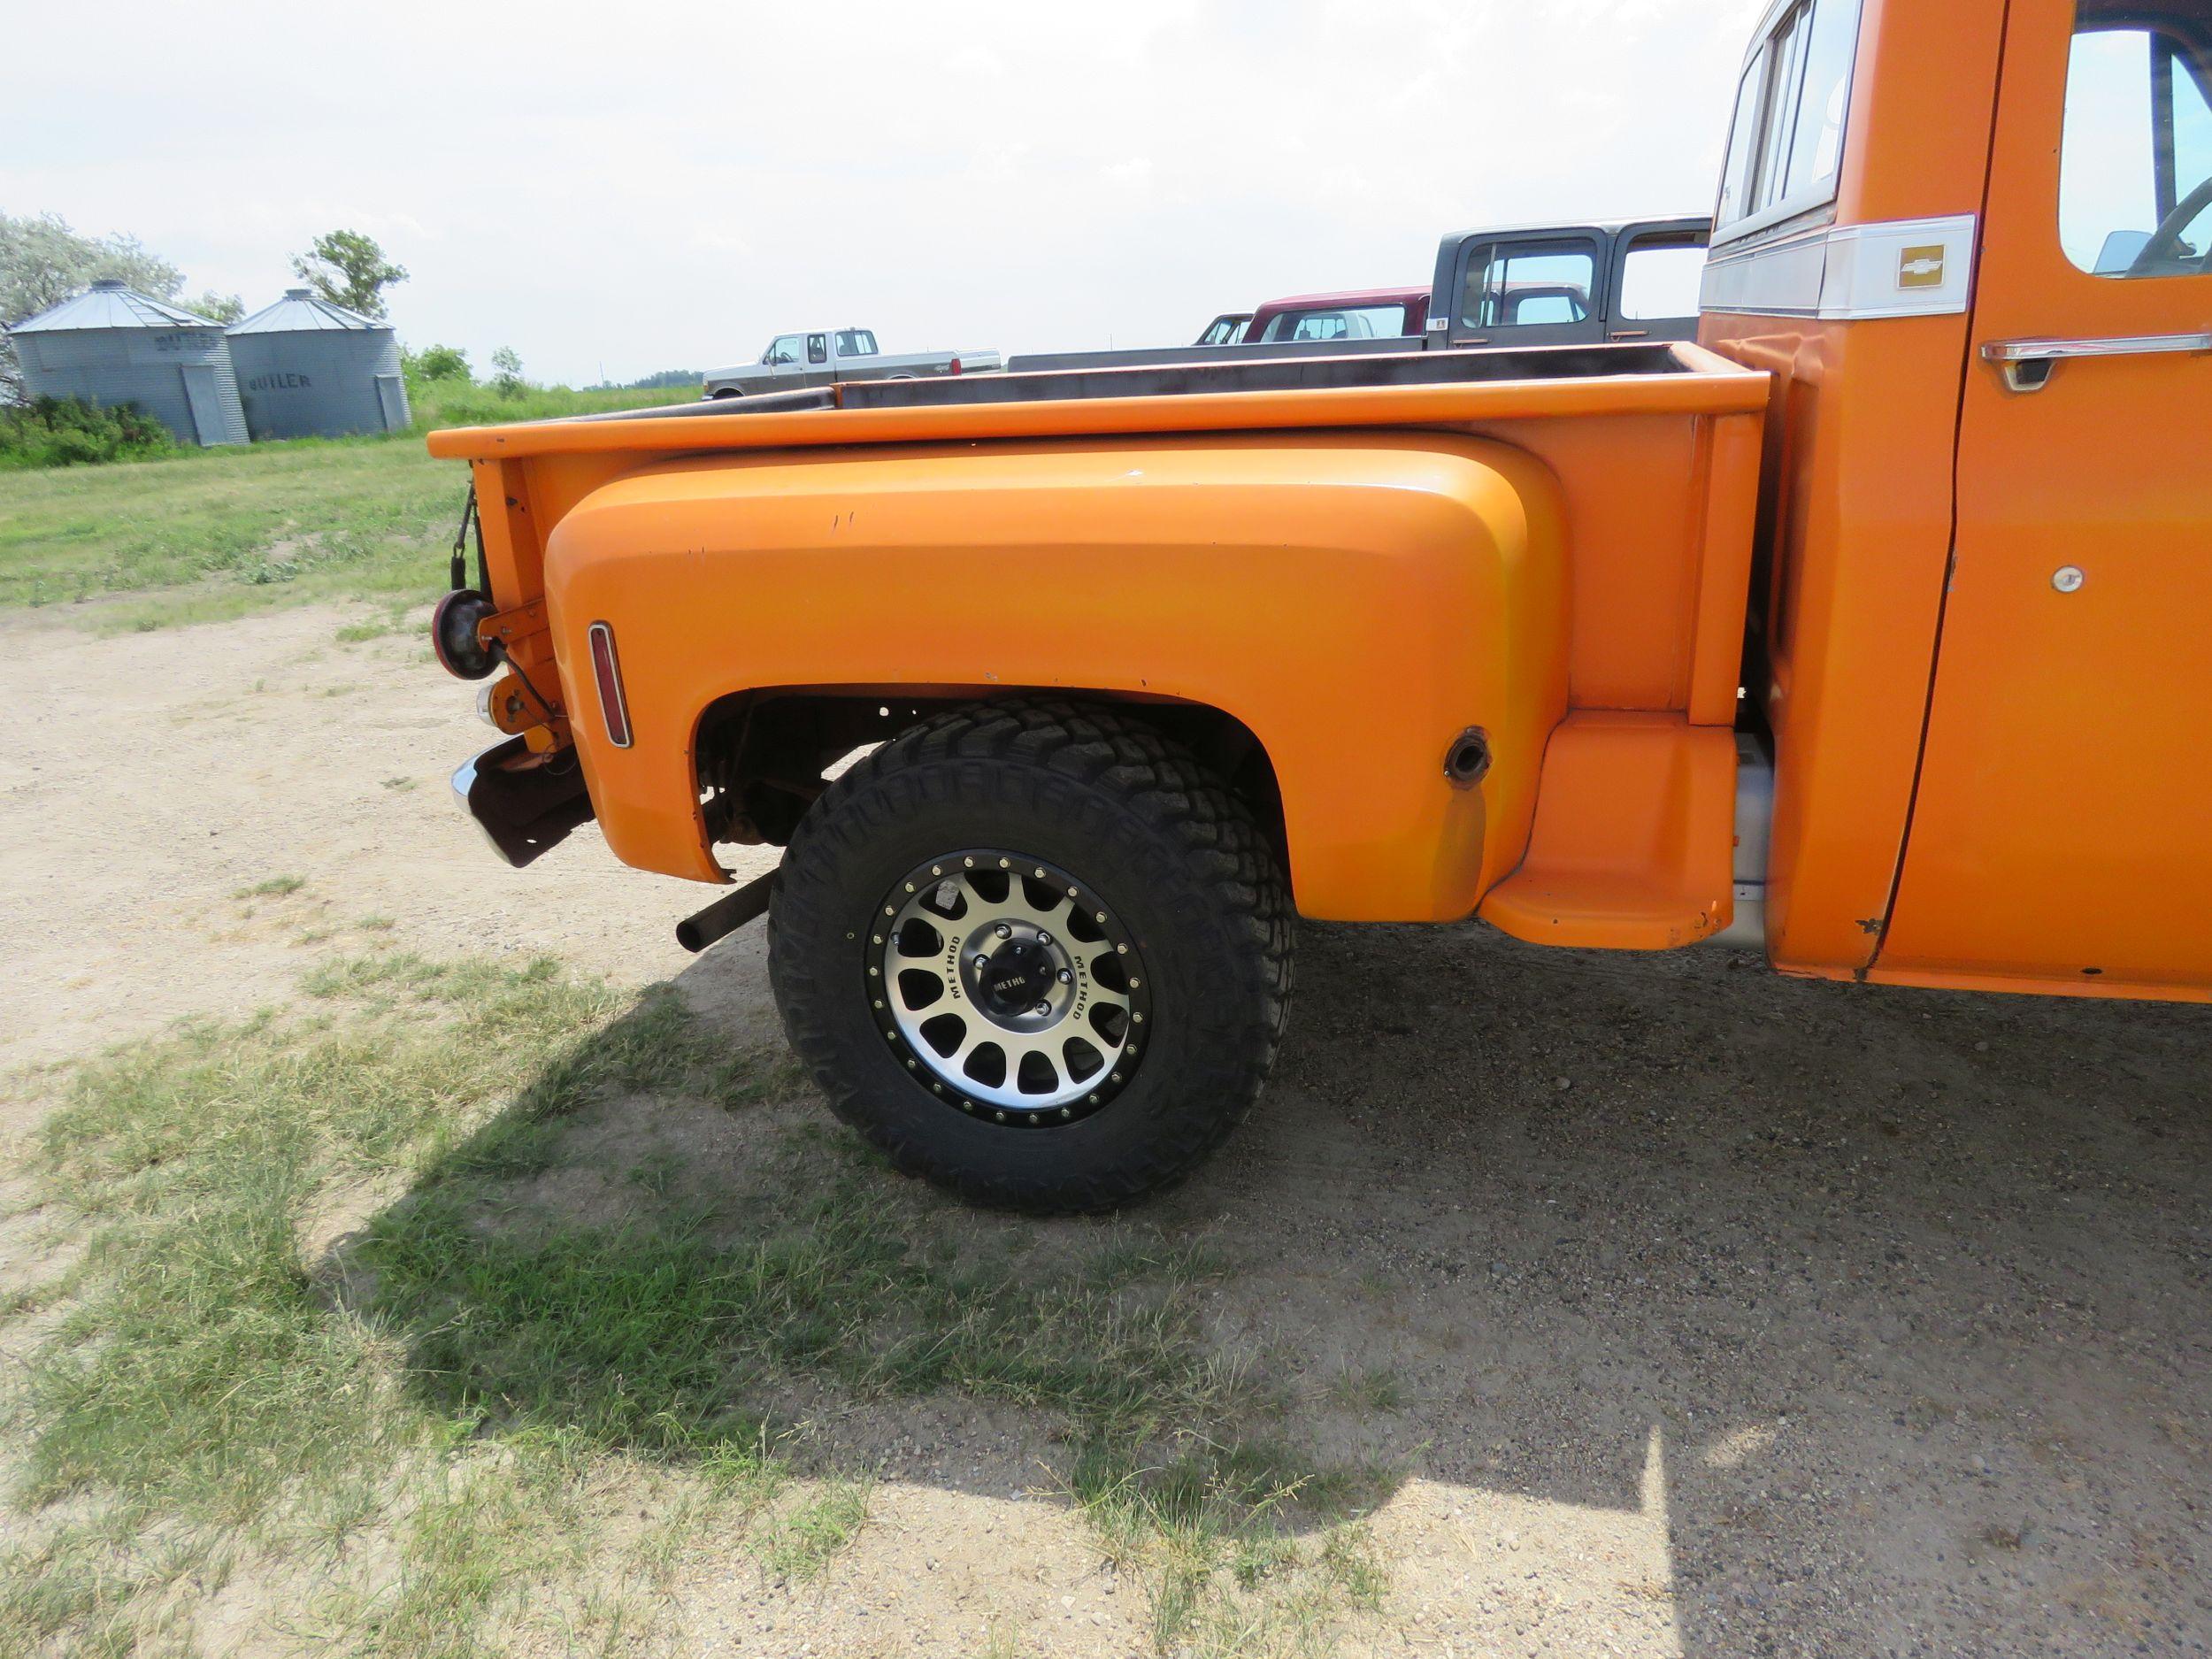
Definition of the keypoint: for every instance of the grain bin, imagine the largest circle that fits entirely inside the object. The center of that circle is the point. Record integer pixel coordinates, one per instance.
(113, 345)
(310, 369)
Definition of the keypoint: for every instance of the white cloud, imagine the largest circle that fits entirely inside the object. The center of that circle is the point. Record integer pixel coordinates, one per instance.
(669, 185)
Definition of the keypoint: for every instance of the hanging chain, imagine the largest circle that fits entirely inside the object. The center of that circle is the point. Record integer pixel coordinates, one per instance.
(470, 519)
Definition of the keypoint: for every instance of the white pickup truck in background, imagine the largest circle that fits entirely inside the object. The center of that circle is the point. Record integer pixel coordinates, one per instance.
(825, 357)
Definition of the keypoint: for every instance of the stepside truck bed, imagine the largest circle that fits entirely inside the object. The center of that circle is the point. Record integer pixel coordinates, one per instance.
(1355, 560)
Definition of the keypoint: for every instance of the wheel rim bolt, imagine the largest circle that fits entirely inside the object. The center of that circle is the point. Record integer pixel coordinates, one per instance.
(1004, 931)
(1067, 978)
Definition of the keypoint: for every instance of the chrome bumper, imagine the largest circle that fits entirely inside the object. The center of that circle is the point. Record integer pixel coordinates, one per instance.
(524, 803)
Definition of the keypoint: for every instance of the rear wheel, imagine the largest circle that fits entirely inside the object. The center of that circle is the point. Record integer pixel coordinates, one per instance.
(1035, 953)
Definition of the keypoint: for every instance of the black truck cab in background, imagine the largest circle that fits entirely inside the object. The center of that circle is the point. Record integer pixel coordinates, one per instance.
(1550, 285)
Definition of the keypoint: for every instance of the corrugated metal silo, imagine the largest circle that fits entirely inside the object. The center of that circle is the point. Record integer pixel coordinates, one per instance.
(114, 345)
(310, 369)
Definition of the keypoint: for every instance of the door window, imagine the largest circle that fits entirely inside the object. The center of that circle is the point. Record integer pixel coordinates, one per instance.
(784, 349)
(1522, 284)
(2135, 154)
(1660, 277)
(817, 348)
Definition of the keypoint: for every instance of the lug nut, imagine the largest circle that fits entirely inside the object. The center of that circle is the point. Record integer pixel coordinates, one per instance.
(1041, 1008)
(1066, 977)
(1004, 931)
(1044, 939)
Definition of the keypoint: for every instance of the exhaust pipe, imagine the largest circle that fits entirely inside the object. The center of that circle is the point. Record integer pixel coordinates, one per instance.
(727, 914)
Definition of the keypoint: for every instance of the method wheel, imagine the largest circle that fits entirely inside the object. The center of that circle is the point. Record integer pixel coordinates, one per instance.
(1035, 952)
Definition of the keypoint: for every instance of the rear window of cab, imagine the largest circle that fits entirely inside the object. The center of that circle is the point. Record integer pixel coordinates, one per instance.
(1786, 137)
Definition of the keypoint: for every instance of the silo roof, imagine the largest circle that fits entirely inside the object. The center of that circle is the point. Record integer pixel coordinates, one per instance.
(303, 309)
(109, 305)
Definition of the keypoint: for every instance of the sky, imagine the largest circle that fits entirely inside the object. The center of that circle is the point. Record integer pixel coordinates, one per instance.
(613, 190)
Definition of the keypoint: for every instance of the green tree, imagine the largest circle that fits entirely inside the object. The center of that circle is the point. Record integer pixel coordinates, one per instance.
(43, 262)
(439, 363)
(222, 308)
(507, 375)
(349, 269)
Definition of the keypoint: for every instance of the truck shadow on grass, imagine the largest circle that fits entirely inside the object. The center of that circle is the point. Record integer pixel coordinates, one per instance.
(660, 1248)
(1775, 1302)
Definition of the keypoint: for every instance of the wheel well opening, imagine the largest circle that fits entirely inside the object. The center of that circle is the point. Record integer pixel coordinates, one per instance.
(764, 757)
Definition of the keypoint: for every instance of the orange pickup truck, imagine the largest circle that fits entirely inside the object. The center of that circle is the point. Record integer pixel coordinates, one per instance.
(1874, 628)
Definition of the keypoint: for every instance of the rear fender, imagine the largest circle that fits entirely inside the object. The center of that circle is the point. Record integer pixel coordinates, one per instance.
(1358, 600)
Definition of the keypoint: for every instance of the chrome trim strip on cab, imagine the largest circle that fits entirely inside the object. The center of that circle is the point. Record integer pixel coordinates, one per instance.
(1913, 267)
(2027, 364)
(2120, 346)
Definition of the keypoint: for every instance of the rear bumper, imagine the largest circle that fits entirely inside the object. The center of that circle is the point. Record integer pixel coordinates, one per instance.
(526, 804)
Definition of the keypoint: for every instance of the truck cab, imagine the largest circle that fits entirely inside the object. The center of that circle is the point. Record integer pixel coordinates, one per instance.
(1569, 284)
(1980, 607)
(831, 356)
(1358, 314)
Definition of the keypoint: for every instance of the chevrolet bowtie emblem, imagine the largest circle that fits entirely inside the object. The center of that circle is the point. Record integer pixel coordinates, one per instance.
(1920, 268)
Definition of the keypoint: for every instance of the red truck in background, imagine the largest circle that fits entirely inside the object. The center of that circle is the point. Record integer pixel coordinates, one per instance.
(1357, 314)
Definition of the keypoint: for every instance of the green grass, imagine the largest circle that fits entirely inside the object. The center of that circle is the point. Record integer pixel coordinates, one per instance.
(438, 1433)
(274, 887)
(1376, 1389)
(213, 533)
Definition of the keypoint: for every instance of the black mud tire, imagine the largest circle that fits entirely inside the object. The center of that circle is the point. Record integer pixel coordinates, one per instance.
(1100, 795)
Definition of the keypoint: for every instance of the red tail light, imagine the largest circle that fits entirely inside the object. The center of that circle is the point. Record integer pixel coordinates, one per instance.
(955, 366)
(608, 672)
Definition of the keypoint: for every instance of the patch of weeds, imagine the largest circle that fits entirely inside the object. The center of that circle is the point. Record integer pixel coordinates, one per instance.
(274, 887)
(748, 1079)
(1377, 1389)
(25, 1299)
(393, 621)
(1210, 1536)
(401, 784)
(376, 923)
(798, 1543)
(657, 1173)
(102, 1582)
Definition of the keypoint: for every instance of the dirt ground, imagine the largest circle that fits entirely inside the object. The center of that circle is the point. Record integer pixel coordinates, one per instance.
(1724, 1314)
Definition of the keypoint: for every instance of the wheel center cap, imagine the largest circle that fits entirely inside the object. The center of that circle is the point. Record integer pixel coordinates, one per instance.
(1014, 978)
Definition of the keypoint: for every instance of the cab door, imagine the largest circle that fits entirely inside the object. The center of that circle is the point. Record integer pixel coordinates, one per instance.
(2061, 829)
(1529, 290)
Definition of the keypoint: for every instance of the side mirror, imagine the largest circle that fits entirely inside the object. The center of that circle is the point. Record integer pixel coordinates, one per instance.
(2117, 257)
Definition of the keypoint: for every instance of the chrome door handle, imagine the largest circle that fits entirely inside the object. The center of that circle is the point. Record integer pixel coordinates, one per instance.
(2026, 364)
